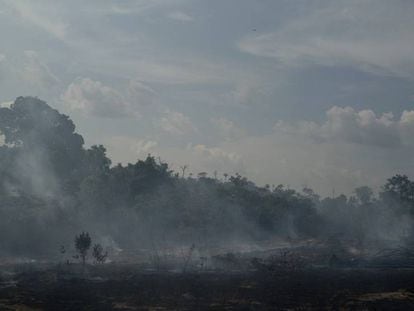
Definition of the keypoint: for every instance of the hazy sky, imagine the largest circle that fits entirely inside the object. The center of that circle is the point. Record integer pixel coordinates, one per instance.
(305, 93)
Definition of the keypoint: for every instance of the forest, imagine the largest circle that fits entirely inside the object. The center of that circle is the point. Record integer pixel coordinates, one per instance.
(52, 187)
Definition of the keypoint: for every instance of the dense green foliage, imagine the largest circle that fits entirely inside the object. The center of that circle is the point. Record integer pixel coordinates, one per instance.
(51, 186)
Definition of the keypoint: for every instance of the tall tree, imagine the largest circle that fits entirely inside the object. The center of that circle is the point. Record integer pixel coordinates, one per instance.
(32, 125)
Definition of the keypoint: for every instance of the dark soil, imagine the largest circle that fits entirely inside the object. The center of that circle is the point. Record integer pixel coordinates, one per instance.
(112, 287)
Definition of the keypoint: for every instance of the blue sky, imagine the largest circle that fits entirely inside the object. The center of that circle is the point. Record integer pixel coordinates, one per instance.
(305, 93)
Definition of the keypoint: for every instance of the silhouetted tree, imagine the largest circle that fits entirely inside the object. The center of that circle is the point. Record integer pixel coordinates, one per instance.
(364, 194)
(183, 169)
(99, 254)
(31, 124)
(82, 244)
(400, 187)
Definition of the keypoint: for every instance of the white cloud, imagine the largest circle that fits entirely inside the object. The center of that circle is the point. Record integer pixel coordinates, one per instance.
(29, 72)
(349, 149)
(203, 158)
(374, 36)
(126, 149)
(406, 127)
(249, 90)
(226, 129)
(145, 146)
(6, 104)
(94, 98)
(37, 72)
(215, 154)
(176, 124)
(140, 93)
(191, 71)
(180, 16)
(39, 15)
(214, 159)
(359, 127)
(199, 157)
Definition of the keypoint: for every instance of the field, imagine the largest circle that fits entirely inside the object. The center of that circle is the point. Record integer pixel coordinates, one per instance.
(129, 287)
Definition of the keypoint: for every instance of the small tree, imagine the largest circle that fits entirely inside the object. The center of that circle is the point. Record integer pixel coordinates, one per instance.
(98, 253)
(83, 243)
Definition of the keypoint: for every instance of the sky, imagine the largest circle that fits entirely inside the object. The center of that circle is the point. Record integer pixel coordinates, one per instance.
(308, 93)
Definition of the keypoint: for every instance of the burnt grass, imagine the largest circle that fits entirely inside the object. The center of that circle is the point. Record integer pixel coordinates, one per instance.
(114, 287)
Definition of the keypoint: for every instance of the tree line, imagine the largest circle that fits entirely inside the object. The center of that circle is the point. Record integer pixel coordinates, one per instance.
(52, 187)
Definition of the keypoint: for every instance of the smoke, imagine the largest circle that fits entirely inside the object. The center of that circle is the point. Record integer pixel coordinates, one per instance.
(52, 188)
(370, 225)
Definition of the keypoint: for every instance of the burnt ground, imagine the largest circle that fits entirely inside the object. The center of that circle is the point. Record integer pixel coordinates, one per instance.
(115, 287)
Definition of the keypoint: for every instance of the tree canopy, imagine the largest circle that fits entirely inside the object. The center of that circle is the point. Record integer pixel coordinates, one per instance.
(51, 186)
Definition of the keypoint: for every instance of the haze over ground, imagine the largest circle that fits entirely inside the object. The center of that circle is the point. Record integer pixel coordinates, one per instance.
(305, 93)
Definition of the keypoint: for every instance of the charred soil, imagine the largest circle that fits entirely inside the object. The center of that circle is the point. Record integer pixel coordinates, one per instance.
(117, 287)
